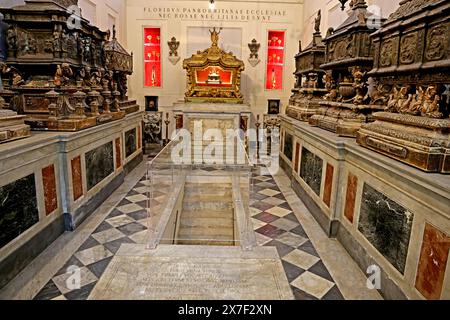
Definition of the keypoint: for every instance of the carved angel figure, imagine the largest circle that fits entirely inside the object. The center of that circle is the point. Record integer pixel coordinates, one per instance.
(430, 106)
(393, 99)
(377, 95)
(404, 100)
(416, 105)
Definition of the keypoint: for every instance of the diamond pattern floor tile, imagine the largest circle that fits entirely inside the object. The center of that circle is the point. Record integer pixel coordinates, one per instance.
(274, 222)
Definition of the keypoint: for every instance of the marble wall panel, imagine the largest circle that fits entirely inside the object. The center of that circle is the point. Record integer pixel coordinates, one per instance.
(350, 198)
(50, 193)
(77, 178)
(432, 262)
(18, 208)
(130, 142)
(328, 184)
(311, 170)
(386, 225)
(99, 164)
(288, 146)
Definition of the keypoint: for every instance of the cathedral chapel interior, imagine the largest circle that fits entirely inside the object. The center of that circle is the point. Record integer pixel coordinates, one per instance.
(224, 150)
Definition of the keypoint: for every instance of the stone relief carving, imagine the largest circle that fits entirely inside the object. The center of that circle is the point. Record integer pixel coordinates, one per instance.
(437, 43)
(408, 49)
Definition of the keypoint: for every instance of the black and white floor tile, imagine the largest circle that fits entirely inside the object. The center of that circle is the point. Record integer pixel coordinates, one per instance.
(273, 221)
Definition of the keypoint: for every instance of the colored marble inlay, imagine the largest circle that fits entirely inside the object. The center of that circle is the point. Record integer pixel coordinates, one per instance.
(386, 225)
(350, 198)
(99, 164)
(288, 146)
(130, 142)
(18, 208)
(50, 194)
(432, 263)
(118, 153)
(297, 156)
(311, 170)
(328, 184)
(77, 178)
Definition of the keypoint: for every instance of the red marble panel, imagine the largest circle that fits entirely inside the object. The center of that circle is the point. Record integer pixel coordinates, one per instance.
(77, 179)
(118, 153)
(50, 194)
(432, 262)
(328, 184)
(297, 156)
(352, 186)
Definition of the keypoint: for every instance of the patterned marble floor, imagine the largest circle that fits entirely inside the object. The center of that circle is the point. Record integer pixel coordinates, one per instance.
(273, 221)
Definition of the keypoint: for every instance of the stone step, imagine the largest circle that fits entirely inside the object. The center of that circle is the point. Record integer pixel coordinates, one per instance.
(200, 204)
(207, 198)
(206, 243)
(203, 232)
(216, 214)
(208, 222)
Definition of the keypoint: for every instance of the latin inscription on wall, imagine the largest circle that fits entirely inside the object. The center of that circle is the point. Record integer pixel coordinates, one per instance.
(99, 164)
(387, 225)
(18, 208)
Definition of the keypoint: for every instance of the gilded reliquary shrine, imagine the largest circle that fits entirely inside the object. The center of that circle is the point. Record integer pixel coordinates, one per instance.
(213, 75)
(228, 149)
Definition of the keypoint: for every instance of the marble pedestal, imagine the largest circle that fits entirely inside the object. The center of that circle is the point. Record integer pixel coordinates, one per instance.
(421, 142)
(344, 119)
(384, 212)
(12, 126)
(213, 115)
(173, 272)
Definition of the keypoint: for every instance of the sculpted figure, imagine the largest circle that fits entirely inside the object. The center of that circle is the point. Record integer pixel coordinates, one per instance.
(11, 39)
(430, 106)
(416, 105)
(404, 100)
(393, 99)
(63, 74)
(359, 86)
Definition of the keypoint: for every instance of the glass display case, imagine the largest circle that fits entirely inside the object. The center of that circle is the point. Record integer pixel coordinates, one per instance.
(275, 59)
(152, 57)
